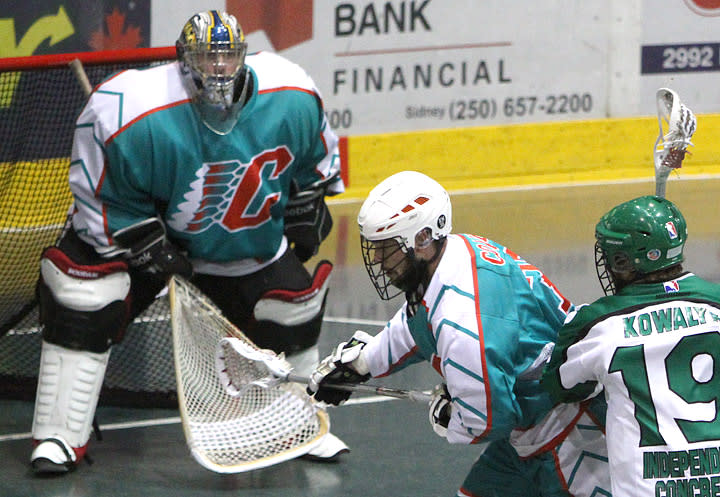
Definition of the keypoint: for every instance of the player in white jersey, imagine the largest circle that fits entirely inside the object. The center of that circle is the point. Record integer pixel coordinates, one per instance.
(486, 320)
(214, 167)
(653, 344)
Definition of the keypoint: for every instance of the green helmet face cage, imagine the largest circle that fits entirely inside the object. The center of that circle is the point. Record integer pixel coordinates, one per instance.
(642, 235)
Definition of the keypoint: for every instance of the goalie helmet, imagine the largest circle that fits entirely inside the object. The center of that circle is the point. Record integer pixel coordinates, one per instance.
(636, 238)
(396, 212)
(211, 50)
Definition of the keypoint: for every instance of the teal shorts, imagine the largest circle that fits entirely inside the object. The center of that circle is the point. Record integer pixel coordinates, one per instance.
(500, 472)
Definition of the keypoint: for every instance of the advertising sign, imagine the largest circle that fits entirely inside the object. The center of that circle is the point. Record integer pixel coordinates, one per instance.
(386, 66)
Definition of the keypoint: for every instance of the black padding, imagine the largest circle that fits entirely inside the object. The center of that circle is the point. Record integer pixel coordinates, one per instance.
(150, 251)
(288, 339)
(93, 331)
(307, 222)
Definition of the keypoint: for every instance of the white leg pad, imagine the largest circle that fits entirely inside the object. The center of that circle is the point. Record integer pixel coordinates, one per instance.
(69, 386)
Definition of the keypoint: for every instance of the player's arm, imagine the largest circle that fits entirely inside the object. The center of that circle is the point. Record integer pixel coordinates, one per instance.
(568, 376)
(479, 376)
(307, 217)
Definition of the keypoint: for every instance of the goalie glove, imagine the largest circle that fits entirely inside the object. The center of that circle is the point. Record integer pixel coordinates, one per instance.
(307, 222)
(440, 409)
(147, 249)
(346, 365)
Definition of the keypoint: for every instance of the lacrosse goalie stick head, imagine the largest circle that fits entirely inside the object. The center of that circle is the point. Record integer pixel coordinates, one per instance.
(677, 125)
(241, 366)
(245, 427)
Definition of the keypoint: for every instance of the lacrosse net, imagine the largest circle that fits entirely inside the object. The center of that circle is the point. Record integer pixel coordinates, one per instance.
(231, 434)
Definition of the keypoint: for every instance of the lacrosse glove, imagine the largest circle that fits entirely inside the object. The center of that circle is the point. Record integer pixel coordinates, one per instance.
(345, 365)
(440, 409)
(148, 250)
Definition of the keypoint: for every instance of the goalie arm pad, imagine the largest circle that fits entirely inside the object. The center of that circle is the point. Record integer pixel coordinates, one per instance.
(147, 249)
(307, 221)
(82, 307)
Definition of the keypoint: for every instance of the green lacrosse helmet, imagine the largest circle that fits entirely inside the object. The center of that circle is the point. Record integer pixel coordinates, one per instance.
(638, 237)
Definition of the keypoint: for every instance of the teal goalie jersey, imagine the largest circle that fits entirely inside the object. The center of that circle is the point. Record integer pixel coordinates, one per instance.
(141, 150)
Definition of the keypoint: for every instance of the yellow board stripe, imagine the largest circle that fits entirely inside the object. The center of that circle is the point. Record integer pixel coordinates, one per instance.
(487, 157)
(526, 154)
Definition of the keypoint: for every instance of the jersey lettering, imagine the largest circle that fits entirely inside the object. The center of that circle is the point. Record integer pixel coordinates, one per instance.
(692, 369)
(531, 272)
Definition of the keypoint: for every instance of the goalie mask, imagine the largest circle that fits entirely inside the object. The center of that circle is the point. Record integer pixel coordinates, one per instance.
(636, 238)
(406, 211)
(211, 50)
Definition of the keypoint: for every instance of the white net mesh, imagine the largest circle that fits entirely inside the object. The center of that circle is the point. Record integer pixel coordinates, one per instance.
(263, 426)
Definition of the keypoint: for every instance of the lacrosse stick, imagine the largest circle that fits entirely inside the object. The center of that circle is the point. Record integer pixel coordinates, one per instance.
(671, 146)
(241, 367)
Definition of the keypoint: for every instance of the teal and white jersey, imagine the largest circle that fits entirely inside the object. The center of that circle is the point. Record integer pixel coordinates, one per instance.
(485, 323)
(655, 348)
(141, 150)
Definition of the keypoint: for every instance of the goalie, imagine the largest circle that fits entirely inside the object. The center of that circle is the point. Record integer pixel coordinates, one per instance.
(213, 167)
(486, 320)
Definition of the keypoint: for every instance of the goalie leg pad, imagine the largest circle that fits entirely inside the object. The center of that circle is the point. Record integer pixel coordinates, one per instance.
(69, 385)
(293, 307)
(290, 320)
(82, 307)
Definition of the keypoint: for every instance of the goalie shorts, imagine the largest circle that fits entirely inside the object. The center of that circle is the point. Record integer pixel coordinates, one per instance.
(236, 297)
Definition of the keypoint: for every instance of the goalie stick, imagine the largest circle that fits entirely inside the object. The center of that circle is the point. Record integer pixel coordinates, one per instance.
(241, 366)
(671, 146)
(225, 434)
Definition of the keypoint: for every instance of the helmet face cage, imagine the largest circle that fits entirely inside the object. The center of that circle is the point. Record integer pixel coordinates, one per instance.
(378, 272)
(212, 51)
(607, 280)
(638, 237)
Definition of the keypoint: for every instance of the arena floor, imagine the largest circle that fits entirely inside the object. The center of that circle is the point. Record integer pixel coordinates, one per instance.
(394, 451)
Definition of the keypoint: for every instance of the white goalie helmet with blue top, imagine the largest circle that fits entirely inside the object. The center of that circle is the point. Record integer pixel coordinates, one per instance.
(211, 50)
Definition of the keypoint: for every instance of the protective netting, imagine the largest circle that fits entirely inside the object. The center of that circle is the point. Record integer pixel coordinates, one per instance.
(38, 109)
(262, 426)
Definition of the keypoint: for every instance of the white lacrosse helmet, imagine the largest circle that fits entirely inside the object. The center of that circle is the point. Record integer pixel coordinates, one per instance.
(396, 210)
(403, 205)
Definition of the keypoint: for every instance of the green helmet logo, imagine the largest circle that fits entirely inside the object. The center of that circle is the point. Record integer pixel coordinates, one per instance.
(638, 237)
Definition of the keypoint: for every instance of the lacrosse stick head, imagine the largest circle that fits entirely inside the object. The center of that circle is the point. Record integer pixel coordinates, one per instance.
(677, 125)
(241, 366)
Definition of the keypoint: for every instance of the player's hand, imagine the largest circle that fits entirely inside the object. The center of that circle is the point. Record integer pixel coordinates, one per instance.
(345, 365)
(440, 409)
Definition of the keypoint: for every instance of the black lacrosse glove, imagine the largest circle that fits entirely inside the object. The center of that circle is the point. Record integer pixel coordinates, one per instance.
(307, 222)
(345, 365)
(149, 250)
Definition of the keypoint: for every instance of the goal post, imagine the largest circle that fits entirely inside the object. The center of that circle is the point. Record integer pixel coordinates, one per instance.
(40, 99)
